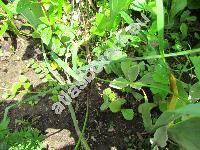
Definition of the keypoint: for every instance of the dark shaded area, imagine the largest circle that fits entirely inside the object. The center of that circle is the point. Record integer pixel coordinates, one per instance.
(33, 51)
(104, 129)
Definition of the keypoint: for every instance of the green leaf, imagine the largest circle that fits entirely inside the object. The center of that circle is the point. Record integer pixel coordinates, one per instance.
(105, 105)
(130, 70)
(31, 10)
(196, 61)
(191, 110)
(15, 87)
(194, 92)
(22, 5)
(184, 30)
(185, 15)
(100, 25)
(3, 28)
(186, 133)
(160, 26)
(66, 67)
(109, 95)
(177, 6)
(115, 106)
(46, 35)
(116, 6)
(128, 114)
(119, 83)
(160, 74)
(138, 5)
(145, 110)
(133, 73)
(126, 17)
(27, 85)
(38, 70)
(125, 65)
(160, 137)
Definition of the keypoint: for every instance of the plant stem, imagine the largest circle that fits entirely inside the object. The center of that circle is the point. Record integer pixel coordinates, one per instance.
(188, 52)
(72, 112)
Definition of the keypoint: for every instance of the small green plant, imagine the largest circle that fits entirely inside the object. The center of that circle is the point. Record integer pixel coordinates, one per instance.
(7, 20)
(41, 70)
(22, 86)
(115, 104)
(27, 138)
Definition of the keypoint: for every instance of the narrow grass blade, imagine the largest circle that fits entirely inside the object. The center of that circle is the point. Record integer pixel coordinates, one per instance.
(65, 67)
(55, 73)
(160, 26)
(126, 17)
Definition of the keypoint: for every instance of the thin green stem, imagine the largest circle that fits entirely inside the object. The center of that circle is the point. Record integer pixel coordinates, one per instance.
(70, 107)
(84, 127)
(73, 116)
(188, 52)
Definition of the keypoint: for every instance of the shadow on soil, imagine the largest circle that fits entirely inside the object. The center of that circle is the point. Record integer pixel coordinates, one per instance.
(104, 129)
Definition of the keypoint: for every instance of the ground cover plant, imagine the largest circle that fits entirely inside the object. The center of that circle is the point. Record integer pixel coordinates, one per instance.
(121, 74)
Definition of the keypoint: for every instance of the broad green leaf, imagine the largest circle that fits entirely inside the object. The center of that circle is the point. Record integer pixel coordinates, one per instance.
(128, 114)
(182, 92)
(160, 137)
(23, 5)
(15, 87)
(115, 106)
(160, 74)
(145, 110)
(177, 6)
(105, 106)
(184, 30)
(66, 67)
(160, 26)
(194, 94)
(196, 61)
(4, 124)
(27, 85)
(133, 73)
(31, 10)
(125, 66)
(185, 15)
(109, 95)
(191, 110)
(119, 83)
(3, 28)
(116, 68)
(116, 55)
(126, 17)
(100, 25)
(186, 133)
(59, 7)
(130, 70)
(138, 5)
(116, 6)
(46, 35)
